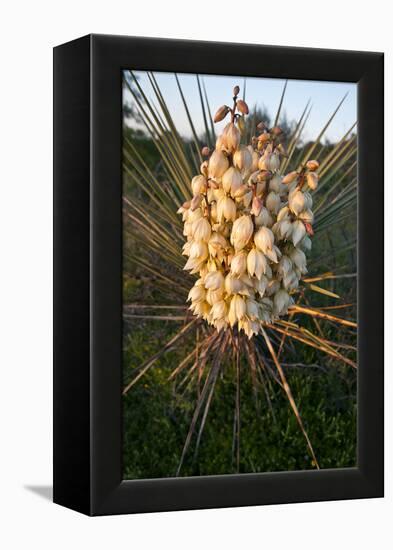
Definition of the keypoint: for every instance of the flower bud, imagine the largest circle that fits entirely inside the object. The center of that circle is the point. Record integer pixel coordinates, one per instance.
(241, 191)
(236, 91)
(263, 175)
(256, 206)
(205, 151)
(276, 131)
(242, 107)
(204, 168)
(221, 113)
(196, 201)
(218, 163)
(290, 177)
(309, 228)
(312, 165)
(274, 162)
(312, 180)
(263, 138)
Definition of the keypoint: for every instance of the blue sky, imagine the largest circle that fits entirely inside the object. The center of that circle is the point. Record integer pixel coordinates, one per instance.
(324, 97)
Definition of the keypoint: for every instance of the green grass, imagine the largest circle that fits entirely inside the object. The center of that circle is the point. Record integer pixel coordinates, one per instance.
(157, 418)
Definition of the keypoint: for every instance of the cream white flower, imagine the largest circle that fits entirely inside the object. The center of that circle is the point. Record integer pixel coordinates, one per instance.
(226, 209)
(237, 309)
(283, 229)
(219, 310)
(275, 183)
(273, 202)
(233, 285)
(296, 201)
(196, 294)
(214, 280)
(298, 258)
(239, 264)
(264, 218)
(264, 239)
(274, 162)
(252, 309)
(198, 185)
(242, 231)
(198, 249)
(218, 164)
(281, 302)
(284, 266)
(232, 180)
(307, 216)
(214, 296)
(260, 285)
(201, 230)
(231, 137)
(217, 243)
(298, 231)
(242, 159)
(312, 180)
(256, 263)
(272, 287)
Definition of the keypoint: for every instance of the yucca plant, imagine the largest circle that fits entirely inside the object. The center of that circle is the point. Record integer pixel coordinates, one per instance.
(246, 205)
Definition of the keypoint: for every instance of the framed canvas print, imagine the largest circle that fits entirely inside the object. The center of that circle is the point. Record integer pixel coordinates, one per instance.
(218, 275)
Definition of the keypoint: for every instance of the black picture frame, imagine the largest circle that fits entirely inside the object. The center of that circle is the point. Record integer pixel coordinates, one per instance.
(88, 275)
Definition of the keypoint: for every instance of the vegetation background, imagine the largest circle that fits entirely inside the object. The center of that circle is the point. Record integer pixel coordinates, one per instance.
(157, 412)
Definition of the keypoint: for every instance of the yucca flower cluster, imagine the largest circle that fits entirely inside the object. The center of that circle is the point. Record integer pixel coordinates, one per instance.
(247, 226)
